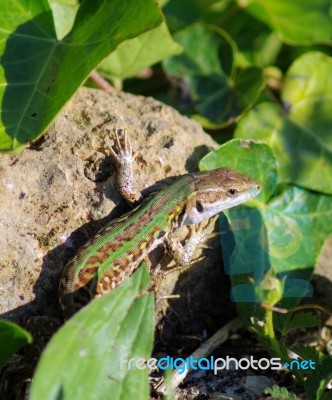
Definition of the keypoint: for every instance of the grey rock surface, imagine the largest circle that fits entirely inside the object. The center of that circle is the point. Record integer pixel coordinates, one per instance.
(60, 191)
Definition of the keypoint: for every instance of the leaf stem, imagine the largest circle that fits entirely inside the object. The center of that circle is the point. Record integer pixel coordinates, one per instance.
(101, 82)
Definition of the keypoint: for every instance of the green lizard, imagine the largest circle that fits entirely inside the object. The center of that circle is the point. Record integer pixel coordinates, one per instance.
(117, 250)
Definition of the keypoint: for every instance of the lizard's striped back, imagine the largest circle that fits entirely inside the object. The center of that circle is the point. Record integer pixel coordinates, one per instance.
(118, 248)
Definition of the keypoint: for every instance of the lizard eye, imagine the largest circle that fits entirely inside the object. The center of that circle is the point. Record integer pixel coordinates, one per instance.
(199, 206)
(231, 192)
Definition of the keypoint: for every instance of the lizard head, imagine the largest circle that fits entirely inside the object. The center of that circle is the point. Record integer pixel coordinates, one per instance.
(218, 190)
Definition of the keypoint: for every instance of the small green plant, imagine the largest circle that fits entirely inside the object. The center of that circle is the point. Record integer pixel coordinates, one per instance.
(280, 392)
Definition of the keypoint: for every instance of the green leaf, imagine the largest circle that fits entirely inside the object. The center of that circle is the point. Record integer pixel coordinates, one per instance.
(64, 12)
(318, 377)
(136, 54)
(218, 94)
(298, 22)
(287, 323)
(207, 51)
(39, 73)
(317, 381)
(221, 103)
(283, 234)
(301, 137)
(12, 338)
(181, 13)
(286, 234)
(256, 43)
(87, 357)
(280, 392)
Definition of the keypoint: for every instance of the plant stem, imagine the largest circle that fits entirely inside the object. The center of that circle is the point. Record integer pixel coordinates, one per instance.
(270, 331)
(275, 344)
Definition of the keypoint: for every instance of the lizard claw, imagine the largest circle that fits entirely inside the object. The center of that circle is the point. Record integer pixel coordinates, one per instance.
(122, 151)
(123, 155)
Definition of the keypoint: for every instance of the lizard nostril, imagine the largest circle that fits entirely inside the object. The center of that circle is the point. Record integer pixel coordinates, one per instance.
(258, 187)
(255, 189)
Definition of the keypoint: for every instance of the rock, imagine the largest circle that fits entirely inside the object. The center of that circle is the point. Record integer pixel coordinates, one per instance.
(60, 191)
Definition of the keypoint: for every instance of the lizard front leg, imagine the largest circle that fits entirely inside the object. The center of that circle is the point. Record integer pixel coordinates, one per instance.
(183, 254)
(123, 157)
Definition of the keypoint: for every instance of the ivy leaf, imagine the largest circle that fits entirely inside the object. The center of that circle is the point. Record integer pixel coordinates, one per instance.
(301, 136)
(64, 12)
(258, 46)
(285, 235)
(39, 72)
(88, 357)
(282, 233)
(133, 55)
(219, 95)
(298, 22)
